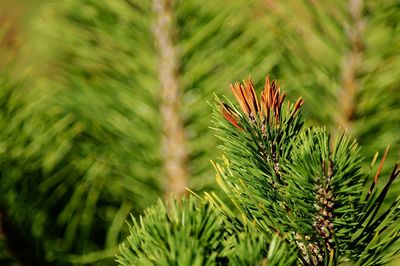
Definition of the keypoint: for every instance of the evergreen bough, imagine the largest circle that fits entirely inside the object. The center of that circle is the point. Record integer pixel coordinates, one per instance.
(301, 197)
(80, 139)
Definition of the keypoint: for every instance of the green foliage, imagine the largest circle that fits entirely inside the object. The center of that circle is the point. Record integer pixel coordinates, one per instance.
(183, 234)
(249, 247)
(331, 176)
(82, 132)
(313, 195)
(80, 124)
(299, 197)
(216, 42)
(193, 232)
(77, 148)
(325, 49)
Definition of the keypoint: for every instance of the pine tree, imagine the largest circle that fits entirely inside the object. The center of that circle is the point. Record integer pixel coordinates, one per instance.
(85, 137)
(290, 184)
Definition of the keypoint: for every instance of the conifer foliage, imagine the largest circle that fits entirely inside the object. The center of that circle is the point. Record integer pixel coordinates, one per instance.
(83, 140)
(85, 124)
(194, 232)
(290, 184)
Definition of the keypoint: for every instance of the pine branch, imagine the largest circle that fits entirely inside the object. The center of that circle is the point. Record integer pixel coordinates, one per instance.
(308, 206)
(80, 153)
(328, 45)
(318, 197)
(184, 233)
(351, 65)
(194, 232)
(174, 146)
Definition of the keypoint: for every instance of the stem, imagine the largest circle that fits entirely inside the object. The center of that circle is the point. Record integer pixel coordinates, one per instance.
(325, 204)
(173, 143)
(351, 65)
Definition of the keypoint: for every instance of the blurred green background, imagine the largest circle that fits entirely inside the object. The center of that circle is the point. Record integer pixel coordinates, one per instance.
(86, 137)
